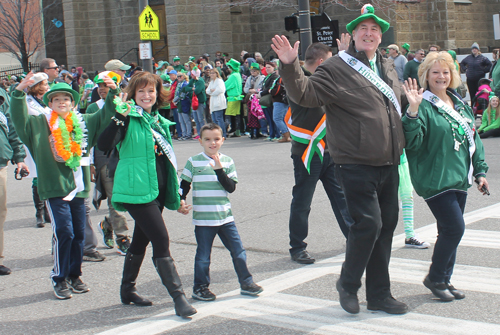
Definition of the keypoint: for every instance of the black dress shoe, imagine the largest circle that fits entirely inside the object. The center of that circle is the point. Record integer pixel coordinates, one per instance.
(303, 257)
(388, 305)
(439, 290)
(456, 293)
(4, 270)
(348, 301)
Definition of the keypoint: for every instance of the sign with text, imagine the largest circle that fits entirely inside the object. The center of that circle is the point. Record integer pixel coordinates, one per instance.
(149, 25)
(327, 34)
(145, 51)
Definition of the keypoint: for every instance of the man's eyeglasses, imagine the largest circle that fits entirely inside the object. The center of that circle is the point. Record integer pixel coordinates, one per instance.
(53, 68)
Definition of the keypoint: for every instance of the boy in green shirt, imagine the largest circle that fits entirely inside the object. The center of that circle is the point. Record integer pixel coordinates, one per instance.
(60, 143)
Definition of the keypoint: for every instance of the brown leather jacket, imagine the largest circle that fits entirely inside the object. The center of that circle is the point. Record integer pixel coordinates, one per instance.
(363, 126)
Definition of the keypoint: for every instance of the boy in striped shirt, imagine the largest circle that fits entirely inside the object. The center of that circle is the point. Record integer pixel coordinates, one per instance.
(213, 176)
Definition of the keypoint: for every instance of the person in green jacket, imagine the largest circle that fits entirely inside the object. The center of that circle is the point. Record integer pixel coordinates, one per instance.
(490, 125)
(60, 143)
(444, 154)
(234, 90)
(147, 171)
(197, 86)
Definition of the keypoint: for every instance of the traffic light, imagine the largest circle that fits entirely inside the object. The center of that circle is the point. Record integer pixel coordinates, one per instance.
(291, 23)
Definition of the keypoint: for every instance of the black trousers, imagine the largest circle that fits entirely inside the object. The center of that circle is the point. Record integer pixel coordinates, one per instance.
(149, 226)
(371, 194)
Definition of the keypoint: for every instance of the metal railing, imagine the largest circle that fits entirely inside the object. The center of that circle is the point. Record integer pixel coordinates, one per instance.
(17, 70)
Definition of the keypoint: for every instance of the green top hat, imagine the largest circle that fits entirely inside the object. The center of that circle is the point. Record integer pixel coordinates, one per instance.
(176, 58)
(254, 66)
(191, 59)
(166, 78)
(60, 88)
(406, 46)
(367, 12)
(234, 65)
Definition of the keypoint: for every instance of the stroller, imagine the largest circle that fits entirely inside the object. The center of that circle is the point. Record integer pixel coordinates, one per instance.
(481, 100)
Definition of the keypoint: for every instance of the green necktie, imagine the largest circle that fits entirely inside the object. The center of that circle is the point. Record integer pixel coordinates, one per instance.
(372, 64)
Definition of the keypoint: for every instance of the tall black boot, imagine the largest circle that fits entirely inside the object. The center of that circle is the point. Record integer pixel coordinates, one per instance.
(39, 206)
(170, 278)
(128, 292)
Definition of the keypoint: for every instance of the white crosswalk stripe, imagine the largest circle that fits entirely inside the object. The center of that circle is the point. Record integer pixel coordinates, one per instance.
(318, 316)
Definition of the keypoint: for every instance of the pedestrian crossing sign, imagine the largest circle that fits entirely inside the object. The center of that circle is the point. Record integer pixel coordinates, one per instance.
(149, 25)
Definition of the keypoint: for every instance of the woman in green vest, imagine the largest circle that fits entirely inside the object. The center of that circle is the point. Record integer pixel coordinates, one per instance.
(147, 182)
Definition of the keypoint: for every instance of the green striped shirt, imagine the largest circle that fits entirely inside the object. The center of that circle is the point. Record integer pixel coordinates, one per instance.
(211, 206)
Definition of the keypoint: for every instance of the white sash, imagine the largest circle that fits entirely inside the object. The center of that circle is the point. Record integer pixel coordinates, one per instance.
(436, 101)
(34, 108)
(372, 77)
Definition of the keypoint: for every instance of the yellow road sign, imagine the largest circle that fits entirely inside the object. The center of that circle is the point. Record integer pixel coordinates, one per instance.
(149, 25)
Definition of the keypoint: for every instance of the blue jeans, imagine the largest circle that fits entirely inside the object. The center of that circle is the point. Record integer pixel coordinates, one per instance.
(68, 228)
(448, 209)
(279, 111)
(303, 191)
(218, 117)
(177, 121)
(199, 117)
(268, 113)
(185, 119)
(229, 236)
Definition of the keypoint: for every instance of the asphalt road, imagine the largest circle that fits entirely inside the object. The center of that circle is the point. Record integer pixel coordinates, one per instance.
(297, 299)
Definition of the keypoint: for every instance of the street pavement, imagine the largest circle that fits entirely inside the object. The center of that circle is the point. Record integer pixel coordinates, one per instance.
(297, 299)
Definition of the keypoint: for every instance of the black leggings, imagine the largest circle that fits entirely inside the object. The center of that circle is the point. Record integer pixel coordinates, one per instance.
(490, 133)
(149, 226)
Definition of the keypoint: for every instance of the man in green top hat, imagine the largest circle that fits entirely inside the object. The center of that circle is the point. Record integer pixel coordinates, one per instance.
(406, 47)
(361, 95)
(177, 64)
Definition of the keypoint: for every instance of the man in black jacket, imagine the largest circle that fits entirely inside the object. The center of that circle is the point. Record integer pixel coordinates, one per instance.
(361, 94)
(475, 67)
(316, 165)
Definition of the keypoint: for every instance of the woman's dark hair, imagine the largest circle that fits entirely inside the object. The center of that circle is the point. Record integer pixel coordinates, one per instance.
(271, 63)
(141, 80)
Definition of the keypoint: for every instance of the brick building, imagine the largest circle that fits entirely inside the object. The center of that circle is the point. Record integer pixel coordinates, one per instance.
(96, 30)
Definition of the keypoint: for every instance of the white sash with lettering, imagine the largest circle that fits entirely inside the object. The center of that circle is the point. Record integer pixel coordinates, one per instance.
(372, 77)
(436, 101)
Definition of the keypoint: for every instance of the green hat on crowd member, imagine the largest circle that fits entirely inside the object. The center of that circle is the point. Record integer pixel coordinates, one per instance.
(166, 78)
(99, 78)
(183, 71)
(234, 65)
(254, 66)
(191, 59)
(368, 12)
(406, 46)
(176, 58)
(60, 88)
(161, 64)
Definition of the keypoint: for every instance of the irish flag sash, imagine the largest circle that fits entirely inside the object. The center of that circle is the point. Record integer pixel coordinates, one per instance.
(464, 124)
(313, 138)
(372, 77)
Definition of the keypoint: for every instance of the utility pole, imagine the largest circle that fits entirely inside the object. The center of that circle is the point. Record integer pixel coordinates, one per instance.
(304, 27)
(147, 64)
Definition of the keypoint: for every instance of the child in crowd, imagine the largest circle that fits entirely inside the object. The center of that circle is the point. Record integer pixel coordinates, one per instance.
(60, 143)
(490, 124)
(213, 176)
(183, 101)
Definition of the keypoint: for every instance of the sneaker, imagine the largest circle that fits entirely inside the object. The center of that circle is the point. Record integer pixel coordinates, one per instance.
(4, 270)
(107, 234)
(61, 290)
(196, 137)
(76, 285)
(251, 289)
(276, 139)
(414, 242)
(203, 293)
(180, 138)
(123, 245)
(93, 256)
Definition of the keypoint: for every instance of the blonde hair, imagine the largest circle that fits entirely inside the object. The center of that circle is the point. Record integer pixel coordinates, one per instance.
(444, 58)
(217, 74)
(183, 75)
(497, 109)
